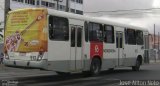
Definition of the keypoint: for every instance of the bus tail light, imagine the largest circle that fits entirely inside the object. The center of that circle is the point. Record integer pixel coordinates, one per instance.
(40, 56)
(6, 56)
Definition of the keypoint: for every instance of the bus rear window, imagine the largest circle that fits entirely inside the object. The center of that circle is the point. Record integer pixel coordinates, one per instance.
(58, 28)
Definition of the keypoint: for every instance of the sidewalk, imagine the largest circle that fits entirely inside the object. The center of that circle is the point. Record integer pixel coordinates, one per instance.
(154, 61)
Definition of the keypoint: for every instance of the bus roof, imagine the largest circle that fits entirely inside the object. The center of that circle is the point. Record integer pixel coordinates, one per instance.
(81, 17)
(91, 19)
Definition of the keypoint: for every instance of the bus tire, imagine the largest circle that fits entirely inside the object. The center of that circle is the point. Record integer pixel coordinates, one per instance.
(63, 73)
(111, 69)
(137, 66)
(95, 66)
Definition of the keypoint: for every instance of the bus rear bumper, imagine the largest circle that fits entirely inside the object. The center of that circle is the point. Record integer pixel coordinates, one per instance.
(28, 64)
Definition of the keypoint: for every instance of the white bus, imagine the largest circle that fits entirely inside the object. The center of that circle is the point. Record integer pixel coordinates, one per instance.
(66, 42)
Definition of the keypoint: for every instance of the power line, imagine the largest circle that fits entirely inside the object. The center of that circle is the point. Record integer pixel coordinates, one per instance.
(128, 12)
(119, 14)
(131, 13)
(148, 9)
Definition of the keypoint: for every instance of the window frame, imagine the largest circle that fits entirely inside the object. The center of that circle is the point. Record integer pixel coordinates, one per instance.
(72, 10)
(79, 12)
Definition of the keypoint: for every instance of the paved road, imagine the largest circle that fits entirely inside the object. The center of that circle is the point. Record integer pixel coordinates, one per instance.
(106, 78)
(147, 72)
(7, 73)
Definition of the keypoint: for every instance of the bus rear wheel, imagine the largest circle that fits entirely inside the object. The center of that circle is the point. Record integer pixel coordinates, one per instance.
(95, 66)
(137, 66)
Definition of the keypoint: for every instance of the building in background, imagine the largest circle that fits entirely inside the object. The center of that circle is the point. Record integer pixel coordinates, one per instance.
(154, 47)
(151, 41)
(75, 6)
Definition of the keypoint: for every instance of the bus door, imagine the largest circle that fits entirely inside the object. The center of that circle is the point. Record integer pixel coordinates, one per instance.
(119, 45)
(76, 48)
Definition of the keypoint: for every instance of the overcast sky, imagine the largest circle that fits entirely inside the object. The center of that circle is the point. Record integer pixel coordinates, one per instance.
(121, 11)
(133, 12)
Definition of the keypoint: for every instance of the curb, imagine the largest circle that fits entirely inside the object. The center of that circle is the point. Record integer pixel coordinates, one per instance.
(154, 62)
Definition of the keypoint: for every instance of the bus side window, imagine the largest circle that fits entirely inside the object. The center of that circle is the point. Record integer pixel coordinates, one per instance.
(58, 28)
(108, 34)
(139, 37)
(131, 34)
(95, 32)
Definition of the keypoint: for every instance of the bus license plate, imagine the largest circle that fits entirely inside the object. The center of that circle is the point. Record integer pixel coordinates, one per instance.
(22, 54)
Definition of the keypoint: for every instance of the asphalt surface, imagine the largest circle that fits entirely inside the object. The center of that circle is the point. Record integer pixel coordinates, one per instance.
(32, 77)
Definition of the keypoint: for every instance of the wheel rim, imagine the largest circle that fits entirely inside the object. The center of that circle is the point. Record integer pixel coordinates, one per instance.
(137, 65)
(95, 68)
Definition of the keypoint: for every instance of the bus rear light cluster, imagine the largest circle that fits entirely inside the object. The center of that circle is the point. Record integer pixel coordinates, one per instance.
(6, 56)
(40, 56)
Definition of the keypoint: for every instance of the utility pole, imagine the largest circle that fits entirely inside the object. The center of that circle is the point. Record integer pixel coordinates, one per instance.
(154, 47)
(158, 46)
(6, 10)
(67, 5)
(154, 37)
(57, 4)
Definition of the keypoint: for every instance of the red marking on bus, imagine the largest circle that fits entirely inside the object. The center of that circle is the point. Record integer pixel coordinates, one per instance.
(96, 49)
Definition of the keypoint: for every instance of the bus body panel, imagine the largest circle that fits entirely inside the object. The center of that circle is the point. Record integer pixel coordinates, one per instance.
(110, 56)
(86, 54)
(70, 58)
(58, 55)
